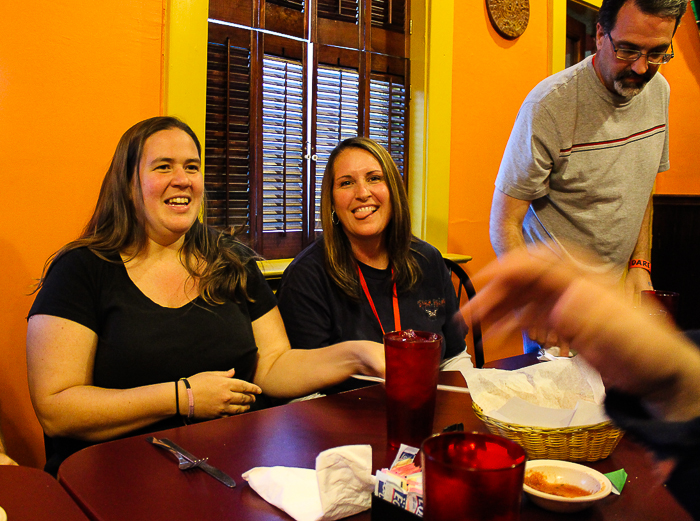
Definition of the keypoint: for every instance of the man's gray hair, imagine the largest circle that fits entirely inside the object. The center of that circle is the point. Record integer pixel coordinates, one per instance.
(607, 16)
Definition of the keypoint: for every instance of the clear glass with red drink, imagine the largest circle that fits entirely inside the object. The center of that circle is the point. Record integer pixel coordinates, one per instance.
(468, 475)
(661, 302)
(412, 366)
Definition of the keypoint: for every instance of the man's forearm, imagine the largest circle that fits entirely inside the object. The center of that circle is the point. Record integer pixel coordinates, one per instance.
(638, 276)
(506, 223)
(506, 238)
(642, 250)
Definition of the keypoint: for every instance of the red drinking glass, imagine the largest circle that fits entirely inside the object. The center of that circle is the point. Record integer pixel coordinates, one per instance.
(412, 365)
(468, 475)
(661, 302)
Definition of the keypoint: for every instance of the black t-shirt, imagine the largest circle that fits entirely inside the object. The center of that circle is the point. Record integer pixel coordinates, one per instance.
(142, 343)
(317, 313)
(679, 441)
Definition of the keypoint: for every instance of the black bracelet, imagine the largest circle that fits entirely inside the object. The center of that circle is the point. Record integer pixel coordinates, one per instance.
(177, 398)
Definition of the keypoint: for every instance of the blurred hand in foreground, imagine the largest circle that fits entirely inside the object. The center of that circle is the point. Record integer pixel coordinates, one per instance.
(634, 352)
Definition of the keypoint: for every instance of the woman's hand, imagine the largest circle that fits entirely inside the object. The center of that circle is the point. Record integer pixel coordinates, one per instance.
(60, 359)
(289, 373)
(217, 394)
(372, 357)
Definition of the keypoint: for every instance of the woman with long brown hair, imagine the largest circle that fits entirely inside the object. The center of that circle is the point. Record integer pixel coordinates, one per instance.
(368, 274)
(151, 318)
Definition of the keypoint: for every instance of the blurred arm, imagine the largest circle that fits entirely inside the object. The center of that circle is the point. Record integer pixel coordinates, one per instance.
(506, 231)
(634, 352)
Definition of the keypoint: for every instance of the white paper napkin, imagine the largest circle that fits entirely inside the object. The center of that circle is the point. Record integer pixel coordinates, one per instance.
(340, 486)
(345, 480)
(293, 490)
(561, 393)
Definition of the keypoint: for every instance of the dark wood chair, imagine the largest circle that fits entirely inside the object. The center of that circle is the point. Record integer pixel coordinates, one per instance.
(464, 286)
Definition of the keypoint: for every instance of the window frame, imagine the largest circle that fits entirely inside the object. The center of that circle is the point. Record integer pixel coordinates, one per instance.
(283, 208)
(184, 95)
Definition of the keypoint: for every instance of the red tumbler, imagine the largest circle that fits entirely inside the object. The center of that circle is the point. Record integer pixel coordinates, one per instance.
(412, 366)
(472, 476)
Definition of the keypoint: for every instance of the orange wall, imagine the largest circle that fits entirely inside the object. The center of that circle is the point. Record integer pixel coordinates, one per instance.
(683, 73)
(491, 77)
(74, 75)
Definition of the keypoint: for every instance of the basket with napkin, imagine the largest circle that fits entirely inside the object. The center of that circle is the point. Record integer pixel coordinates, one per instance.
(553, 410)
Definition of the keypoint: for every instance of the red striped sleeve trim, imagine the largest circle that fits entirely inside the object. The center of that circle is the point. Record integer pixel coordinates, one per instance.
(612, 143)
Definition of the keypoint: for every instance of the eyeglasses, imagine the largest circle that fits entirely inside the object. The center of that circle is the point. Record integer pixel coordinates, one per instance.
(630, 55)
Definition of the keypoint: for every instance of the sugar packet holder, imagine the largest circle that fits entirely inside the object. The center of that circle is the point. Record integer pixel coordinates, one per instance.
(398, 491)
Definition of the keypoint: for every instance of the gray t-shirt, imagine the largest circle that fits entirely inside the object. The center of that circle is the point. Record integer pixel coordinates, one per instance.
(587, 159)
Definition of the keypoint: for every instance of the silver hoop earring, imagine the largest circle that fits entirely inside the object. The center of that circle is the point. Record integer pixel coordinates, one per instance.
(334, 218)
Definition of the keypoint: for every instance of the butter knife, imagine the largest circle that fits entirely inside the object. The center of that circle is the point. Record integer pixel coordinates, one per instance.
(206, 467)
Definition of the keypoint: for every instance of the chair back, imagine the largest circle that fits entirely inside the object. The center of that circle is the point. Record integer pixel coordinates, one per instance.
(465, 287)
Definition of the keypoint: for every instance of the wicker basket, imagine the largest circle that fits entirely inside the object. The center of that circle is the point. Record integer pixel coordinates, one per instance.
(585, 443)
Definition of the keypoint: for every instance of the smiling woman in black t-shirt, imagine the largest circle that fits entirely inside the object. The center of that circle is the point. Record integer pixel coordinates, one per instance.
(368, 275)
(151, 317)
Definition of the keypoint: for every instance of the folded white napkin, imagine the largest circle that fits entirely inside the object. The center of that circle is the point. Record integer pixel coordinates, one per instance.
(340, 486)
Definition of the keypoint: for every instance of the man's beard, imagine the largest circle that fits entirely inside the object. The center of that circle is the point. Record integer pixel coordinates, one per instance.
(627, 89)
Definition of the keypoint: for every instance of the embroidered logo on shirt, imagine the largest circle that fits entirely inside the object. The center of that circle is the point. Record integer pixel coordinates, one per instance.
(431, 307)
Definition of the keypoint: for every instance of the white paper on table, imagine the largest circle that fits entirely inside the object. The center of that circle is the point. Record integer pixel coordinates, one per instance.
(293, 490)
(592, 377)
(345, 480)
(340, 486)
(461, 362)
(561, 385)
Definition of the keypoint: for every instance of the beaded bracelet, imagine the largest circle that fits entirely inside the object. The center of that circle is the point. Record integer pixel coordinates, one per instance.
(640, 263)
(190, 400)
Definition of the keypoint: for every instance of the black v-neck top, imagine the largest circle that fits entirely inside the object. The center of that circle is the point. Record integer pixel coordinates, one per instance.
(142, 343)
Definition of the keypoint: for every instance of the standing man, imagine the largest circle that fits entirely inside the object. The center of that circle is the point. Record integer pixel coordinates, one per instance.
(581, 161)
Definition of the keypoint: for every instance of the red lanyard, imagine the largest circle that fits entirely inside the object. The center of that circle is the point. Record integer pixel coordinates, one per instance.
(397, 317)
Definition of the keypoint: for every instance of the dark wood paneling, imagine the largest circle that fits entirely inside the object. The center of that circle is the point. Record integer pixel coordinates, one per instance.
(334, 32)
(338, 56)
(389, 65)
(234, 11)
(285, 20)
(385, 41)
(675, 248)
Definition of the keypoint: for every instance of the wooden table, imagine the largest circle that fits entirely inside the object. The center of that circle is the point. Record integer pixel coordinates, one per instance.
(30, 494)
(131, 479)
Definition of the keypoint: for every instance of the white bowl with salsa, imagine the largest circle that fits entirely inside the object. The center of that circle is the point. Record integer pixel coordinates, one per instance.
(562, 486)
